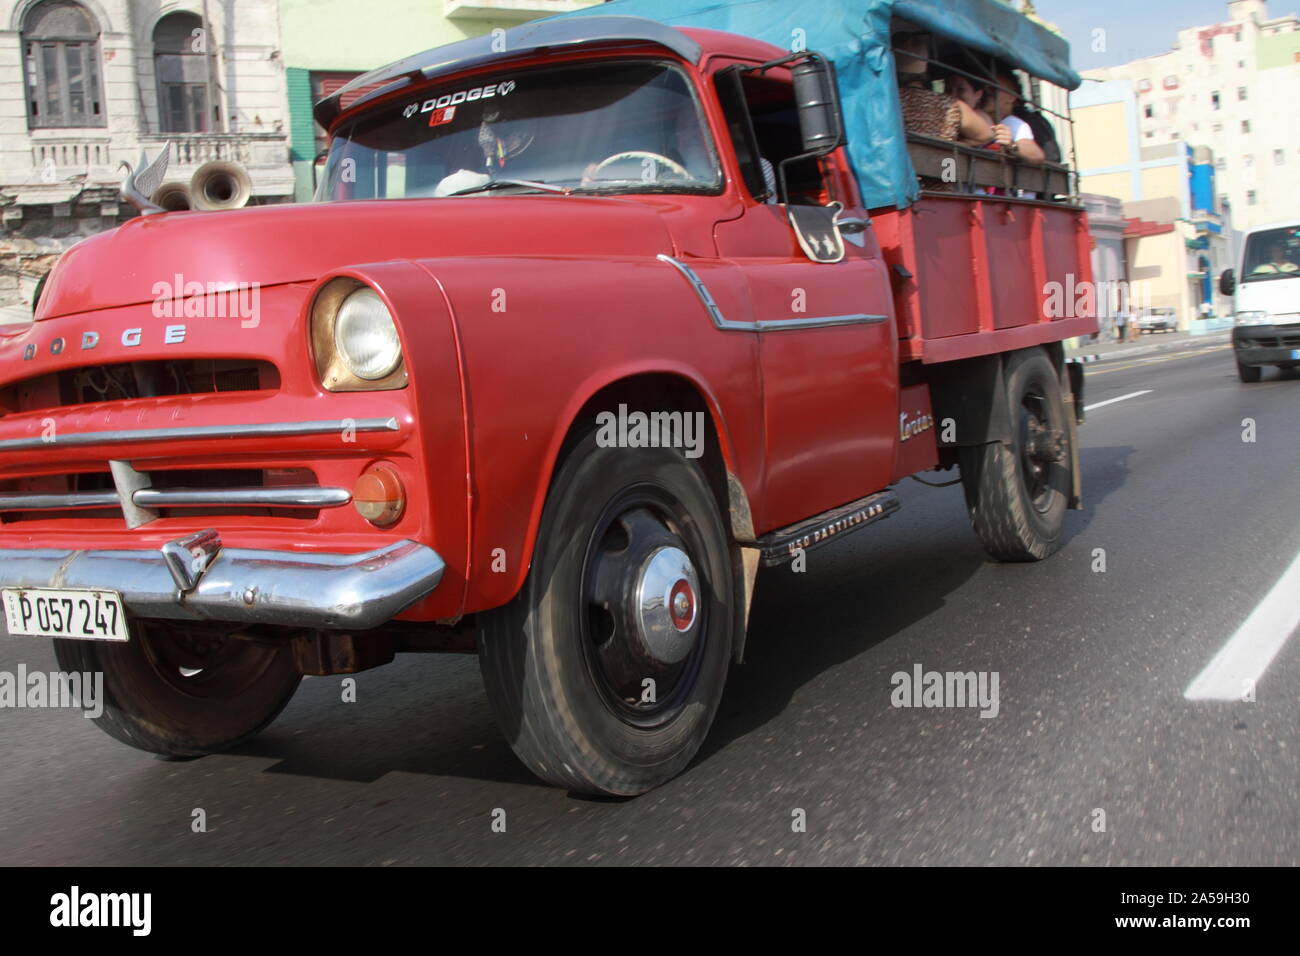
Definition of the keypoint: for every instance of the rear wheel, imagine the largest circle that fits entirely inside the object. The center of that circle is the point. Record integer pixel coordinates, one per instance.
(183, 692)
(605, 672)
(1017, 494)
(1249, 373)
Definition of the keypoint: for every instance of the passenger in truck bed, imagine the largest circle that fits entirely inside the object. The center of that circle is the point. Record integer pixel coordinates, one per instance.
(973, 94)
(1007, 97)
(929, 113)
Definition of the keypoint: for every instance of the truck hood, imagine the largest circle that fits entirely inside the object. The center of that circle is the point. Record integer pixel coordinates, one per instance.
(1280, 298)
(143, 260)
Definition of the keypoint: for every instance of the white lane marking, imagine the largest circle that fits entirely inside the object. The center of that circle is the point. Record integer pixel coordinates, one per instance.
(1122, 398)
(1242, 661)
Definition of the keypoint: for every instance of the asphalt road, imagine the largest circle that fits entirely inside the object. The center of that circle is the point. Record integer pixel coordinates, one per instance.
(1196, 526)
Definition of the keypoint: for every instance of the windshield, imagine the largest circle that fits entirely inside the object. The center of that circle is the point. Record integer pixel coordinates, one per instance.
(598, 127)
(1273, 254)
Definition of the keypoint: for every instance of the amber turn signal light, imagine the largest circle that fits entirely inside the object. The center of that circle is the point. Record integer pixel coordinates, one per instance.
(379, 496)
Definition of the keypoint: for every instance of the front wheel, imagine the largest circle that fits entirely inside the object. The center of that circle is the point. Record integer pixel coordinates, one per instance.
(181, 692)
(1249, 373)
(1017, 494)
(606, 670)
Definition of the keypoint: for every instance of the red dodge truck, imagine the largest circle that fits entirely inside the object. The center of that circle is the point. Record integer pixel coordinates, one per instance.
(583, 329)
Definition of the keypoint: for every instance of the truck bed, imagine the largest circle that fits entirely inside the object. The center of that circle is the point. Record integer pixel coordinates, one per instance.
(974, 276)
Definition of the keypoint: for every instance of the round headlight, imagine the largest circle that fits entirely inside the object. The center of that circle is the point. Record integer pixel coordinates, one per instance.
(366, 337)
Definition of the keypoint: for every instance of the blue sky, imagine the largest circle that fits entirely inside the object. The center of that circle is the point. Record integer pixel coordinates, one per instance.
(1134, 28)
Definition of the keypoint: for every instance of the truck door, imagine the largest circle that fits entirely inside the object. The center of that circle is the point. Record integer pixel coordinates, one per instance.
(827, 343)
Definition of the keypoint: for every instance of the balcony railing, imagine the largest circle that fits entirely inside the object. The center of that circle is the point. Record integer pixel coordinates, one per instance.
(67, 155)
(195, 149)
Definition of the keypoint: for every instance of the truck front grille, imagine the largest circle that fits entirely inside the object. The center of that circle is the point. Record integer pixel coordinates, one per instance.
(1276, 341)
(131, 380)
(272, 492)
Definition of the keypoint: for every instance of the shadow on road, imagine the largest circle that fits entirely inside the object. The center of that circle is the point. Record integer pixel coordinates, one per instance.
(875, 585)
(1105, 470)
(422, 714)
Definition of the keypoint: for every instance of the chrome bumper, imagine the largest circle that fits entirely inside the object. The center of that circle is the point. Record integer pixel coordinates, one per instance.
(195, 578)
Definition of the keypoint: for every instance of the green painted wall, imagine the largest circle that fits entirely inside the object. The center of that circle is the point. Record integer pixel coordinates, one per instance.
(352, 35)
(302, 129)
(1277, 50)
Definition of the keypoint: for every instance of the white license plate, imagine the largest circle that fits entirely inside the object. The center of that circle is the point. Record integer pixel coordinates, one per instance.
(1295, 353)
(82, 615)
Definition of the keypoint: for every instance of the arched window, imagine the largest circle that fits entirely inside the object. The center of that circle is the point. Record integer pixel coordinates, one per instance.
(61, 63)
(181, 64)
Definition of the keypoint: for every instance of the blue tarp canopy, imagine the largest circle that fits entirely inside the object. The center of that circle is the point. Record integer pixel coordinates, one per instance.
(855, 36)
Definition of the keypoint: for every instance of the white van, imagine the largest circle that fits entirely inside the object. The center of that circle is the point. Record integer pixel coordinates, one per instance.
(1266, 320)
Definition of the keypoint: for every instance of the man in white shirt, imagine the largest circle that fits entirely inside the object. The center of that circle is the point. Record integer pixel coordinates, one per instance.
(1011, 129)
(1006, 94)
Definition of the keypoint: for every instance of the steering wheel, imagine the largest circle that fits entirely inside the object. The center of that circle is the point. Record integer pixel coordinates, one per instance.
(677, 168)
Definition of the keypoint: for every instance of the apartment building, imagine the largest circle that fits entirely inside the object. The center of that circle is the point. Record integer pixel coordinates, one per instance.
(1233, 87)
(1179, 230)
(88, 84)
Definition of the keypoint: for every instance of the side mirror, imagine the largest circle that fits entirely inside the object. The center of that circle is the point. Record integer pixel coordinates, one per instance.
(1227, 282)
(818, 101)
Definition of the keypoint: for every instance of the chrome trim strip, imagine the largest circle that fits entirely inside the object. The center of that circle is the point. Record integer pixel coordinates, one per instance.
(59, 502)
(262, 430)
(764, 325)
(819, 322)
(298, 589)
(702, 291)
(288, 496)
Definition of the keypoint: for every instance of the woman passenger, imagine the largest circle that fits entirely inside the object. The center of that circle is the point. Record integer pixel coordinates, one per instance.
(929, 113)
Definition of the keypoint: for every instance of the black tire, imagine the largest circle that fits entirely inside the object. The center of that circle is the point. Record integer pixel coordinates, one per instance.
(1017, 500)
(234, 687)
(1249, 373)
(570, 714)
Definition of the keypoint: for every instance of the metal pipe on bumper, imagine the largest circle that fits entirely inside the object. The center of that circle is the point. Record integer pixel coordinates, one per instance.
(351, 591)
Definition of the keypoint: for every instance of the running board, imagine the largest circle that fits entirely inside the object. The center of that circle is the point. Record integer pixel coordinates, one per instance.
(780, 546)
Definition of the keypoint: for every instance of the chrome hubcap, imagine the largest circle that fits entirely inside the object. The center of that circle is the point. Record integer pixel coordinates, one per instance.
(646, 606)
(666, 605)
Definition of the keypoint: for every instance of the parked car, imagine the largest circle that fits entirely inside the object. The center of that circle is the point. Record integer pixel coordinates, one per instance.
(1157, 320)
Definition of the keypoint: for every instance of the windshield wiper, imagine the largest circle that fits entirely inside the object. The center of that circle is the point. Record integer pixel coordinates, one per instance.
(617, 186)
(502, 183)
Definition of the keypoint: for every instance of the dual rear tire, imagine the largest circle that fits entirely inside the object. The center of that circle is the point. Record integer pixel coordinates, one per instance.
(1017, 493)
